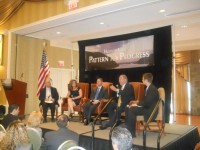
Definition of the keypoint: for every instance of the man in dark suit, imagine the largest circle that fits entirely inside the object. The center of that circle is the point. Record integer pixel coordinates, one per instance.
(53, 139)
(96, 95)
(126, 94)
(145, 106)
(49, 98)
(13, 112)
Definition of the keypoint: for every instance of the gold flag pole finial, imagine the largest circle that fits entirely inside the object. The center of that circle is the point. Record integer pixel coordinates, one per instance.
(44, 45)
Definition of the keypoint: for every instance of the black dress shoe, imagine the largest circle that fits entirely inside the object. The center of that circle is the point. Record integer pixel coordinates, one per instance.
(102, 127)
(86, 122)
(52, 120)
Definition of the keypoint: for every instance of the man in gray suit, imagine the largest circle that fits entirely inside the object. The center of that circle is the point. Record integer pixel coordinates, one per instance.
(53, 139)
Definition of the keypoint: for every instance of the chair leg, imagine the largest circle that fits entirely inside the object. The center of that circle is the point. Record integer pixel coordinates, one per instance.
(56, 108)
(41, 109)
(138, 127)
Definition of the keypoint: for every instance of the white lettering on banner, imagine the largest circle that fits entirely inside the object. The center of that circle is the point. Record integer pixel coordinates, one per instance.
(98, 59)
(123, 56)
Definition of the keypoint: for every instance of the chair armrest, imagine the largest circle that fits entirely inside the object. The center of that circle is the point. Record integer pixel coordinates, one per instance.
(64, 101)
(133, 102)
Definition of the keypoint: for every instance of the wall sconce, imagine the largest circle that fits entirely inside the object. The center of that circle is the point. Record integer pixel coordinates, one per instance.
(1, 49)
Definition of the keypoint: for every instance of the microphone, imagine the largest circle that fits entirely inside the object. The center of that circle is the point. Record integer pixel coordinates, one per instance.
(117, 86)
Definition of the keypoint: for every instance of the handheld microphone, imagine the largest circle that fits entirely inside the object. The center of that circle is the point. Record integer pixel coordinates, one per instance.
(117, 86)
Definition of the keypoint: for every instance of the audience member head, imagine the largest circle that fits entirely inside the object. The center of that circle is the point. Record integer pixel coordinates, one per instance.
(35, 119)
(13, 109)
(121, 139)
(16, 136)
(62, 121)
(99, 81)
(123, 79)
(48, 82)
(72, 84)
(147, 78)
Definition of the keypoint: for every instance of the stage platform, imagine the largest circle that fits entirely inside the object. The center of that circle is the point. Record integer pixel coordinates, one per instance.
(177, 137)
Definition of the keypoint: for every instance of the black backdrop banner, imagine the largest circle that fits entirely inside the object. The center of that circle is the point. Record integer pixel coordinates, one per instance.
(162, 69)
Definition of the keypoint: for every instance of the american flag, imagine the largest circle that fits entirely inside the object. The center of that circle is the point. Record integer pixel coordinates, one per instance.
(44, 72)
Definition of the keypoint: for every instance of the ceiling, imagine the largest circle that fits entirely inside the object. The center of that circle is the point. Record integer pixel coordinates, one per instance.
(119, 17)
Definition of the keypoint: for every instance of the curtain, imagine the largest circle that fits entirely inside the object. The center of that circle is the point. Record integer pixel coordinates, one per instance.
(9, 7)
(183, 59)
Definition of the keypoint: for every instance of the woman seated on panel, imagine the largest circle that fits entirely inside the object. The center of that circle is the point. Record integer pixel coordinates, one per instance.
(74, 96)
(16, 137)
(34, 121)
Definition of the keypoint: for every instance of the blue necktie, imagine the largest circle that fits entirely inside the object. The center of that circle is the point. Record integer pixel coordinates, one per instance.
(97, 93)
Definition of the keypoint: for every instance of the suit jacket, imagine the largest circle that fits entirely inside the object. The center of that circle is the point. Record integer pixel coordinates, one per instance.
(8, 119)
(103, 93)
(54, 94)
(149, 100)
(127, 94)
(53, 139)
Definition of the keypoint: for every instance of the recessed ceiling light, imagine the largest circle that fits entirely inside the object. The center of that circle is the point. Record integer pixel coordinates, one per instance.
(162, 10)
(101, 22)
(184, 26)
(58, 32)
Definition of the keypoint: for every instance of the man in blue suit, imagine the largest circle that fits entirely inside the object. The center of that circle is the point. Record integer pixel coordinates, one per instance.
(49, 98)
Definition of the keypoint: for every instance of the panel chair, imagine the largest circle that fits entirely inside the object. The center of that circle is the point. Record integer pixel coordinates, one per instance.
(156, 126)
(35, 138)
(85, 90)
(103, 102)
(2, 129)
(67, 145)
(76, 148)
(56, 110)
(139, 94)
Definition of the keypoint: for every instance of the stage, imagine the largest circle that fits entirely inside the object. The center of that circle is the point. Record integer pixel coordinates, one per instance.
(177, 137)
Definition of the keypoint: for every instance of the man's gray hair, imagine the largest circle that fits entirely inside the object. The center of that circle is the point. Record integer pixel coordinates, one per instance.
(62, 121)
(122, 138)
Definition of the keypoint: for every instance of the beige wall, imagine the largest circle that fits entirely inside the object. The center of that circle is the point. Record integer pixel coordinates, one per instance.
(29, 50)
(195, 82)
(26, 59)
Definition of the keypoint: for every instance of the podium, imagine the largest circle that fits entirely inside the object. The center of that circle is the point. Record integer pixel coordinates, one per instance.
(16, 94)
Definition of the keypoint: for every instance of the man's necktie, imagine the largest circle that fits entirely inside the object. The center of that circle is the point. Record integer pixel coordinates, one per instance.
(97, 93)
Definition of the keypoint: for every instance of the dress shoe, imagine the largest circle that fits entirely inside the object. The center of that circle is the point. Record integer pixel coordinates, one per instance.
(52, 120)
(102, 127)
(86, 122)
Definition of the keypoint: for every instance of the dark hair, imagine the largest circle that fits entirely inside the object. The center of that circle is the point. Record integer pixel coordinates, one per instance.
(70, 84)
(124, 76)
(122, 138)
(148, 76)
(62, 121)
(100, 79)
(12, 107)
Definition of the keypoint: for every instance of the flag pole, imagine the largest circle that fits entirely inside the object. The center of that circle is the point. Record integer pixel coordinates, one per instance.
(44, 45)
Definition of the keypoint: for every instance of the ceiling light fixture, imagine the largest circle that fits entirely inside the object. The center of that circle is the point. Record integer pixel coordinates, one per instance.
(58, 32)
(101, 23)
(162, 10)
(184, 26)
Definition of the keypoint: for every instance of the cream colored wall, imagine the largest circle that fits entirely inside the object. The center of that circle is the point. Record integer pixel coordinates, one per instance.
(34, 11)
(29, 50)
(26, 61)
